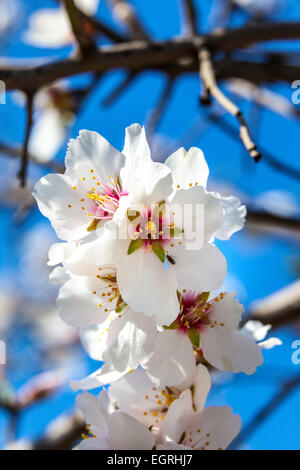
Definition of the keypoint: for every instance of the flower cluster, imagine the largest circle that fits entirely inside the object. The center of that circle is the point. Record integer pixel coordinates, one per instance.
(137, 268)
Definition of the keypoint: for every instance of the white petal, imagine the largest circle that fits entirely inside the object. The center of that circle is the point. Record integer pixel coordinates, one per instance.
(235, 352)
(234, 216)
(92, 150)
(48, 28)
(94, 339)
(103, 376)
(227, 312)
(126, 433)
(178, 417)
(146, 286)
(202, 270)
(173, 359)
(89, 7)
(202, 213)
(148, 181)
(201, 385)
(270, 343)
(89, 406)
(58, 201)
(213, 429)
(131, 340)
(256, 330)
(93, 444)
(77, 304)
(188, 167)
(130, 392)
(59, 276)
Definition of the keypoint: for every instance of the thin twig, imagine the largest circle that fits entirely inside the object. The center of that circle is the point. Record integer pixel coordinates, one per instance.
(191, 16)
(127, 14)
(103, 28)
(84, 39)
(29, 121)
(15, 152)
(160, 108)
(268, 159)
(259, 418)
(119, 89)
(207, 74)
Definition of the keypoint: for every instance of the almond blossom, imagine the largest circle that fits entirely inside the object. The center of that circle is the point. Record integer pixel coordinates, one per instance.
(138, 396)
(208, 327)
(213, 428)
(111, 430)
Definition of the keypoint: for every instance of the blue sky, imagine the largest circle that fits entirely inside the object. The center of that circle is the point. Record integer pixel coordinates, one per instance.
(257, 264)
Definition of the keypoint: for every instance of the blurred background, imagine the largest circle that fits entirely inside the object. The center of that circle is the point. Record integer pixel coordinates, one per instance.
(43, 353)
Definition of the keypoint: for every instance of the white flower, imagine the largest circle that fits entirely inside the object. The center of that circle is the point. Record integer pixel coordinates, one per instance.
(109, 430)
(209, 328)
(90, 299)
(161, 250)
(51, 28)
(93, 188)
(213, 428)
(138, 396)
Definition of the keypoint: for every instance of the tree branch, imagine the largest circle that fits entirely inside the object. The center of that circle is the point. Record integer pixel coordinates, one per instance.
(178, 54)
(24, 162)
(158, 111)
(191, 16)
(207, 74)
(278, 309)
(84, 39)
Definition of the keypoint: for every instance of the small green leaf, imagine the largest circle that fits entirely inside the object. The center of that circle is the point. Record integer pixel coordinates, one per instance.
(134, 245)
(203, 297)
(132, 214)
(93, 225)
(173, 326)
(158, 250)
(194, 337)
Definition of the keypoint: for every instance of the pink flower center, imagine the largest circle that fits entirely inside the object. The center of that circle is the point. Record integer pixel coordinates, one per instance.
(195, 310)
(105, 199)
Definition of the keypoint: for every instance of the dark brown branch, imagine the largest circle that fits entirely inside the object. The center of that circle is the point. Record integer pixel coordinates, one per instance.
(259, 418)
(24, 157)
(248, 35)
(191, 16)
(177, 55)
(84, 39)
(127, 14)
(207, 74)
(271, 222)
(159, 110)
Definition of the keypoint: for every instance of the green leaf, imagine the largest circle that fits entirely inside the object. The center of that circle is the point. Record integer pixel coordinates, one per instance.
(194, 337)
(134, 245)
(158, 250)
(93, 225)
(132, 214)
